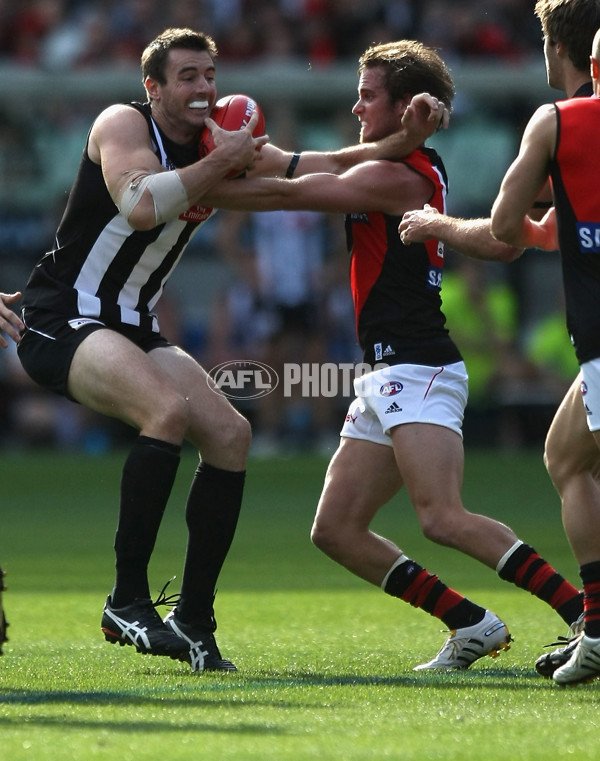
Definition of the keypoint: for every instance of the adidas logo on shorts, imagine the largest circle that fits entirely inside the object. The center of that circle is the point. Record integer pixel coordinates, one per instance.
(393, 408)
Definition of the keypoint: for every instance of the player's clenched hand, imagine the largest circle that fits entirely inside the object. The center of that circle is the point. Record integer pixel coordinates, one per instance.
(239, 143)
(416, 226)
(548, 225)
(9, 322)
(423, 116)
(425, 112)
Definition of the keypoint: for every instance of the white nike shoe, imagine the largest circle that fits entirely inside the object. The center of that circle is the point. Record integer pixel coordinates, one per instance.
(464, 646)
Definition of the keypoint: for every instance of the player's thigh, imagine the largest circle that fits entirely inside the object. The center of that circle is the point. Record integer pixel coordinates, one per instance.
(362, 477)
(113, 376)
(570, 446)
(211, 416)
(430, 459)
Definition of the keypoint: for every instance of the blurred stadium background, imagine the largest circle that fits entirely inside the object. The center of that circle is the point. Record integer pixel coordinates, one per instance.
(62, 61)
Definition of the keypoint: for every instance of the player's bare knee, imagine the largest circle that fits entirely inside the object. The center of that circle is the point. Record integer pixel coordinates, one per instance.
(325, 537)
(234, 436)
(437, 529)
(242, 436)
(171, 416)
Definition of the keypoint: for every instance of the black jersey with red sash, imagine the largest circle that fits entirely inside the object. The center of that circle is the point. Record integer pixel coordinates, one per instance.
(575, 171)
(396, 289)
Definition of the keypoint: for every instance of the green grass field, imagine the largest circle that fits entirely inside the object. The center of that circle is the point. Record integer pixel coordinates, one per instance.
(325, 661)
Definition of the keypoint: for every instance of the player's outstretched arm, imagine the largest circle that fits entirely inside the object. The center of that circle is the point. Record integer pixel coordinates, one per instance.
(471, 237)
(371, 186)
(423, 116)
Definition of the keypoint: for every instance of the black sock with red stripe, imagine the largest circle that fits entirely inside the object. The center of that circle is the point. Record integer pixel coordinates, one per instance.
(412, 583)
(590, 576)
(524, 567)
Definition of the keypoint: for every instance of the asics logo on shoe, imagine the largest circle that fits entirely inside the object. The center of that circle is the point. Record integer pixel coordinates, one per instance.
(130, 629)
(197, 656)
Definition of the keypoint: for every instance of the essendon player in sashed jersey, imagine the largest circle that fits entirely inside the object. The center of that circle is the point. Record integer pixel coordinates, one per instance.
(396, 291)
(413, 439)
(575, 171)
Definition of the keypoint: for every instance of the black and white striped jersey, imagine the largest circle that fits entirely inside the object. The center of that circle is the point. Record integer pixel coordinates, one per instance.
(100, 267)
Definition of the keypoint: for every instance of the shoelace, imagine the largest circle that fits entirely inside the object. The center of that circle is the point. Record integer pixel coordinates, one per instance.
(171, 601)
(563, 641)
(162, 599)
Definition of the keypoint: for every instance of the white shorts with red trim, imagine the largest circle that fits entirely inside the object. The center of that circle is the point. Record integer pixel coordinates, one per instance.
(406, 394)
(590, 392)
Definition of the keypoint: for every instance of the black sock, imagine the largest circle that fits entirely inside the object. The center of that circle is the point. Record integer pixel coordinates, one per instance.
(212, 512)
(146, 483)
(590, 576)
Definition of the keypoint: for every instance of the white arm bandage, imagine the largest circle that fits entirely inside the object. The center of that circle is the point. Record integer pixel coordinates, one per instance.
(168, 194)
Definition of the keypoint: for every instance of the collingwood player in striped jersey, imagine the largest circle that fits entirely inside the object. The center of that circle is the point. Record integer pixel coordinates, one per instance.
(91, 334)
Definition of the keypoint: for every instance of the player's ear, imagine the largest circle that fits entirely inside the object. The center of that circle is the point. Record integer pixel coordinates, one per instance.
(594, 67)
(152, 87)
(402, 104)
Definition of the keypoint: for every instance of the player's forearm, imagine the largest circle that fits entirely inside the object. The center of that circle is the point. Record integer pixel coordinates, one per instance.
(473, 237)
(395, 146)
(255, 194)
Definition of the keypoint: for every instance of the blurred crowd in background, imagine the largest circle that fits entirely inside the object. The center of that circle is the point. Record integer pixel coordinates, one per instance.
(274, 287)
(79, 33)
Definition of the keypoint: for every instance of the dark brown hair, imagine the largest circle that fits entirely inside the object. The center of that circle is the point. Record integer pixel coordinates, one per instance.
(410, 68)
(154, 57)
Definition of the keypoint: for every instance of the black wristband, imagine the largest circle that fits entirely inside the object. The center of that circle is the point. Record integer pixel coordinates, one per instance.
(292, 167)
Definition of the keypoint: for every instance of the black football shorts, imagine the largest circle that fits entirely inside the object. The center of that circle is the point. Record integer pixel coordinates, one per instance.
(50, 340)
